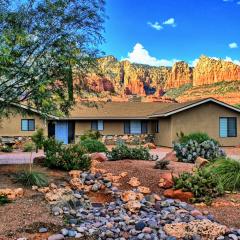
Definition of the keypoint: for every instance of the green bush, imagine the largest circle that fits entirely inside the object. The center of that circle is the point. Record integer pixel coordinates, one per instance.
(4, 199)
(6, 148)
(122, 151)
(227, 171)
(29, 147)
(38, 138)
(66, 158)
(30, 178)
(204, 185)
(93, 145)
(189, 151)
(90, 134)
(199, 137)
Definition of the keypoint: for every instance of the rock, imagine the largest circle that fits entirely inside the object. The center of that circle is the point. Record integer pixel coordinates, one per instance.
(178, 194)
(72, 233)
(166, 180)
(75, 173)
(140, 226)
(123, 174)
(171, 156)
(42, 230)
(147, 230)
(56, 237)
(134, 182)
(64, 231)
(206, 229)
(76, 183)
(131, 195)
(133, 206)
(144, 190)
(196, 213)
(150, 145)
(100, 157)
(12, 194)
(200, 162)
(233, 236)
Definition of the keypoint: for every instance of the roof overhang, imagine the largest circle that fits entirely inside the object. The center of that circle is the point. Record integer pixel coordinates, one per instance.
(192, 105)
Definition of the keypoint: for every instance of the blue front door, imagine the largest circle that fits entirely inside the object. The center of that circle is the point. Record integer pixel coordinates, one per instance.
(61, 131)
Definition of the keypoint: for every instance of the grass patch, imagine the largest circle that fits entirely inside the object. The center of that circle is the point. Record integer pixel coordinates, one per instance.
(177, 92)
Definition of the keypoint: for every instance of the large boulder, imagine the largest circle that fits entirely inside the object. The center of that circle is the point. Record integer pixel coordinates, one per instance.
(200, 162)
(144, 190)
(178, 194)
(171, 156)
(206, 229)
(131, 195)
(166, 180)
(150, 145)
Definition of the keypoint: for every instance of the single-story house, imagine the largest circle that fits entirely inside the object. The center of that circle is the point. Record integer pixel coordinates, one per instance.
(163, 121)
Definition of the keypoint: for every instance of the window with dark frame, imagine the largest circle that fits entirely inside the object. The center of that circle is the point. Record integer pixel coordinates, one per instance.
(157, 126)
(97, 125)
(135, 127)
(28, 124)
(228, 127)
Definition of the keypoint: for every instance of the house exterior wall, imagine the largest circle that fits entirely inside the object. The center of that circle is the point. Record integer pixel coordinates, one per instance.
(11, 126)
(163, 137)
(205, 118)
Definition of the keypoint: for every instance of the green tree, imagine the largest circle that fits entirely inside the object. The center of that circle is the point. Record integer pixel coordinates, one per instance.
(46, 49)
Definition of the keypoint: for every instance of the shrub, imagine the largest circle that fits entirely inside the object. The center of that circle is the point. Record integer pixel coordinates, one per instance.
(65, 157)
(6, 148)
(199, 137)
(227, 171)
(90, 134)
(93, 145)
(30, 178)
(38, 138)
(202, 184)
(162, 164)
(188, 152)
(28, 147)
(4, 199)
(122, 151)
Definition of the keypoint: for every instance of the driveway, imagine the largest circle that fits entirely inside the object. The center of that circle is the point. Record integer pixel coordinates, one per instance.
(19, 157)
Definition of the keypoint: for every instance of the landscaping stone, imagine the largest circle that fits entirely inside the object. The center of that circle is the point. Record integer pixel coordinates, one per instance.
(42, 230)
(56, 237)
(134, 182)
(200, 162)
(166, 180)
(12, 194)
(178, 194)
(100, 157)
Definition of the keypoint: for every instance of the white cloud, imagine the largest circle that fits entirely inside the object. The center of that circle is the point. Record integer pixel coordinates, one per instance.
(233, 45)
(141, 55)
(155, 25)
(170, 21)
(228, 59)
(238, 3)
(194, 62)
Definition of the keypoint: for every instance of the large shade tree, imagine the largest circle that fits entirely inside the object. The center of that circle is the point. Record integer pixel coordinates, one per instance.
(43, 45)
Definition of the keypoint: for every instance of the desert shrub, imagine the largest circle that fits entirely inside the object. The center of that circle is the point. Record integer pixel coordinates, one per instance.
(6, 148)
(199, 137)
(30, 178)
(93, 145)
(38, 138)
(189, 151)
(161, 164)
(227, 171)
(66, 158)
(122, 151)
(90, 134)
(29, 147)
(204, 185)
(4, 199)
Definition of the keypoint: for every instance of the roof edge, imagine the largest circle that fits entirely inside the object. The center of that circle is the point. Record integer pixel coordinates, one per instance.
(192, 105)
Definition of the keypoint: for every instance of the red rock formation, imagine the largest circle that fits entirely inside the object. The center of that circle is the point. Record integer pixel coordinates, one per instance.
(181, 74)
(209, 70)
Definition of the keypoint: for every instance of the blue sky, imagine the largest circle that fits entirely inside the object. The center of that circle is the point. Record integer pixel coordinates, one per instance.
(160, 32)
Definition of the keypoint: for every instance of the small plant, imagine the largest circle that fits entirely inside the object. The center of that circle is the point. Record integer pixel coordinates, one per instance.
(38, 139)
(189, 151)
(93, 145)
(90, 134)
(199, 137)
(227, 171)
(162, 164)
(204, 185)
(6, 148)
(29, 147)
(4, 199)
(30, 178)
(122, 151)
(66, 158)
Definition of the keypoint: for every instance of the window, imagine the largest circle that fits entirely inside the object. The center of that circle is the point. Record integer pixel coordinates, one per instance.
(28, 125)
(157, 126)
(228, 127)
(98, 125)
(135, 127)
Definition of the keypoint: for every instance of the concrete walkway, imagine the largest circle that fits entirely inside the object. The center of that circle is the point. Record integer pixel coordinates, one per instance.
(19, 157)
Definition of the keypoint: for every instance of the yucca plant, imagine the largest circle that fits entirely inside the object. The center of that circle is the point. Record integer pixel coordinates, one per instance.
(227, 171)
(4, 199)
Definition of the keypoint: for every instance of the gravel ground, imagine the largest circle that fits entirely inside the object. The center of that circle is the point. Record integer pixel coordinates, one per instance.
(144, 170)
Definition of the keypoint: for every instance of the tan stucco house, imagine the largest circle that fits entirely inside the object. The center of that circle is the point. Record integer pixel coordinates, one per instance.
(157, 121)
